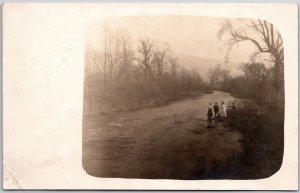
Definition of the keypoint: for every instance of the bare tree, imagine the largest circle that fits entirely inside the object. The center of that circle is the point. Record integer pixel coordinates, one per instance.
(218, 75)
(253, 70)
(145, 50)
(159, 60)
(211, 76)
(127, 56)
(119, 76)
(225, 74)
(267, 40)
(174, 66)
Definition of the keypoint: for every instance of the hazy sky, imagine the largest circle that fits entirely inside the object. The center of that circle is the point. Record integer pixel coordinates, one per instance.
(186, 35)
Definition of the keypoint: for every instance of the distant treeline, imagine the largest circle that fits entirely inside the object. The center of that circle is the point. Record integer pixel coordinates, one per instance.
(121, 76)
(257, 83)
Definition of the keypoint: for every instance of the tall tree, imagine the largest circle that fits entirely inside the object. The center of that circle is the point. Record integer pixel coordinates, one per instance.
(127, 56)
(218, 76)
(266, 39)
(159, 60)
(145, 50)
(173, 66)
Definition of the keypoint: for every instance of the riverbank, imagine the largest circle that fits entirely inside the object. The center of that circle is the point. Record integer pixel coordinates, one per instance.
(102, 107)
(262, 142)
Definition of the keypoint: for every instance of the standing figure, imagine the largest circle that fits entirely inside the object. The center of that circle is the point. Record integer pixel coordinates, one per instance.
(209, 112)
(223, 110)
(216, 110)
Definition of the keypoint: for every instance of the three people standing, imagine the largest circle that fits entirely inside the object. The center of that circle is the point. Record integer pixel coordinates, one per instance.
(219, 111)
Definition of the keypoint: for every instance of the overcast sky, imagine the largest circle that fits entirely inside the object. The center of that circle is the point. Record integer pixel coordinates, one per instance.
(186, 35)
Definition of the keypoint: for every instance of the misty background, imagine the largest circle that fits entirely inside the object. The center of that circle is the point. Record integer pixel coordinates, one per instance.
(135, 62)
(193, 40)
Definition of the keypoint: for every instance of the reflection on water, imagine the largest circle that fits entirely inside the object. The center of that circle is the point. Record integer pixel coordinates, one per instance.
(173, 141)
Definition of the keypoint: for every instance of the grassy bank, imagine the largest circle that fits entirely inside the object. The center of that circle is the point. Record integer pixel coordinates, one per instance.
(136, 95)
(262, 145)
(263, 136)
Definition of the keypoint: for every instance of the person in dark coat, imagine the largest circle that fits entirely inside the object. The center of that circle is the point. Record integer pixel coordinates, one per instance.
(209, 112)
(216, 109)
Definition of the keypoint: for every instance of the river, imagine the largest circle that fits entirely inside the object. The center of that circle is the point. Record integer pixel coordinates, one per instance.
(164, 142)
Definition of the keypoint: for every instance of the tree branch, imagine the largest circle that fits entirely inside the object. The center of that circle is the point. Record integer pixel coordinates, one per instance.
(239, 38)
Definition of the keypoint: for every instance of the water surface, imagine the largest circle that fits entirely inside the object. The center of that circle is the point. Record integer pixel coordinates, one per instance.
(165, 142)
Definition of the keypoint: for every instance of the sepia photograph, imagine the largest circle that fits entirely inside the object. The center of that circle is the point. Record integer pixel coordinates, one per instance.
(183, 97)
(150, 96)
